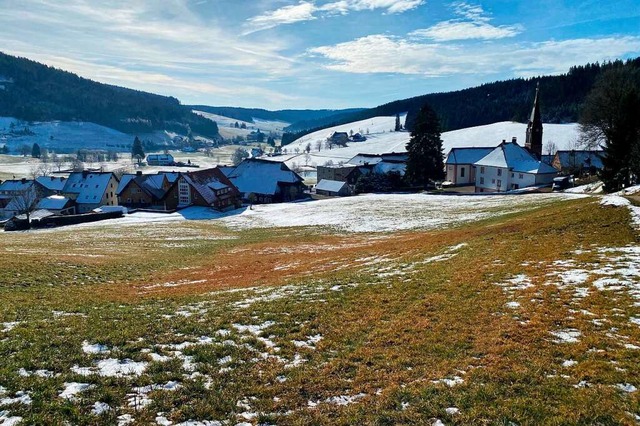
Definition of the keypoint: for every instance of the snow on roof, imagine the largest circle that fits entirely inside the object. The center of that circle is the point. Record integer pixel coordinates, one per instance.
(54, 202)
(15, 185)
(362, 159)
(510, 155)
(262, 176)
(217, 185)
(467, 155)
(171, 176)
(52, 183)
(330, 185)
(90, 187)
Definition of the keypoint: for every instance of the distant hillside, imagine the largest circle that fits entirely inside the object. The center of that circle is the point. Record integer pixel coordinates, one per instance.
(511, 100)
(286, 115)
(35, 92)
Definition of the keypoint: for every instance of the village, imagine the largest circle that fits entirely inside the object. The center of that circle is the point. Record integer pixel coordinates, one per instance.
(93, 195)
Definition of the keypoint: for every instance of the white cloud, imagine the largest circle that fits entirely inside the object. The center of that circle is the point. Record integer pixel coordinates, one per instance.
(308, 11)
(474, 24)
(302, 11)
(386, 54)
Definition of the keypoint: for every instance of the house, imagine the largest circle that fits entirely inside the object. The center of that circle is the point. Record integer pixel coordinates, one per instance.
(50, 185)
(155, 192)
(160, 160)
(58, 205)
(338, 138)
(365, 160)
(358, 138)
(345, 173)
(15, 196)
(267, 181)
(577, 161)
(380, 163)
(510, 166)
(390, 166)
(91, 190)
(209, 188)
(460, 164)
(333, 188)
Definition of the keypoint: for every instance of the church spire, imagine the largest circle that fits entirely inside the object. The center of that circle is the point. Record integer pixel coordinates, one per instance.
(534, 128)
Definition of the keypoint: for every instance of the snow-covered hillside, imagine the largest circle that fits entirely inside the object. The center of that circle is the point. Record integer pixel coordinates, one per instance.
(226, 125)
(67, 136)
(381, 138)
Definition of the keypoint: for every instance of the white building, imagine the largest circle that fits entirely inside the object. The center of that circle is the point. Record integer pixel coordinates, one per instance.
(460, 164)
(509, 166)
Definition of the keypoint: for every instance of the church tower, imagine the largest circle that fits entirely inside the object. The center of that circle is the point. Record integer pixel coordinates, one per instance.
(533, 143)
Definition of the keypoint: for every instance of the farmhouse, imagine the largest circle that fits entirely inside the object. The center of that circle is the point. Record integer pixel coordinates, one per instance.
(57, 204)
(460, 164)
(333, 188)
(154, 192)
(91, 190)
(345, 173)
(160, 160)
(14, 194)
(209, 188)
(509, 166)
(577, 161)
(268, 181)
(50, 185)
(338, 138)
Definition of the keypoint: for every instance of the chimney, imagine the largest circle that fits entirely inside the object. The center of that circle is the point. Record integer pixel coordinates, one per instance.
(52, 178)
(514, 139)
(85, 173)
(139, 173)
(504, 141)
(24, 180)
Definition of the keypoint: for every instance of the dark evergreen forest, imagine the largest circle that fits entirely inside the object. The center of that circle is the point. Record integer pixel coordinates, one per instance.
(562, 97)
(36, 92)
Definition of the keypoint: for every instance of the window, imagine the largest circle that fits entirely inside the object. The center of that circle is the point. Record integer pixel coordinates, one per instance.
(521, 176)
(493, 181)
(499, 172)
(481, 169)
(513, 175)
(499, 183)
(481, 181)
(462, 172)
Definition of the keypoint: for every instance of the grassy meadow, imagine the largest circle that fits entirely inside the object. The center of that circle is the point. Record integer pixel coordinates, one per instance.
(526, 318)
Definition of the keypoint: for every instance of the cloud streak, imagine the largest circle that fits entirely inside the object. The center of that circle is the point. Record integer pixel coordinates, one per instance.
(309, 11)
(387, 54)
(473, 24)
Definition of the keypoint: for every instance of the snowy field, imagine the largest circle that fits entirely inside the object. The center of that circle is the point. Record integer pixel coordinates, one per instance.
(64, 136)
(381, 138)
(227, 131)
(364, 213)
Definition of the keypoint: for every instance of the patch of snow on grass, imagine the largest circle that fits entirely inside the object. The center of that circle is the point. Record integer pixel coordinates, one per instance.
(568, 335)
(451, 382)
(452, 410)
(626, 387)
(113, 368)
(7, 420)
(72, 389)
(99, 408)
(96, 348)
(21, 397)
(8, 326)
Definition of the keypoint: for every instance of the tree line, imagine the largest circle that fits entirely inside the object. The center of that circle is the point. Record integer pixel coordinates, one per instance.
(36, 92)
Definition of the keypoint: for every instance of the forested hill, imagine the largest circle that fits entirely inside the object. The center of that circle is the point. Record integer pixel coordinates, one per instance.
(35, 92)
(286, 115)
(561, 98)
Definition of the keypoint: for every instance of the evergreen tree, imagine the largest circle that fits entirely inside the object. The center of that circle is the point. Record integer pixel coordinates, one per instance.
(611, 118)
(398, 125)
(137, 151)
(426, 160)
(5, 149)
(35, 151)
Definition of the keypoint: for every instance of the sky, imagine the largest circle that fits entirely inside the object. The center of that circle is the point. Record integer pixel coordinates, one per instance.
(316, 54)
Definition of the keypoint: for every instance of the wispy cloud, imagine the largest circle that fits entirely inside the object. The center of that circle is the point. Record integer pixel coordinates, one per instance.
(308, 11)
(473, 24)
(387, 54)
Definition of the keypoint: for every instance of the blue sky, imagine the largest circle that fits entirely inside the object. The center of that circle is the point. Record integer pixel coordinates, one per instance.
(315, 53)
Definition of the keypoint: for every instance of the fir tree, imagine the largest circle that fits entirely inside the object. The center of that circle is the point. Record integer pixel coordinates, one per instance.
(35, 151)
(137, 151)
(398, 125)
(426, 160)
(611, 118)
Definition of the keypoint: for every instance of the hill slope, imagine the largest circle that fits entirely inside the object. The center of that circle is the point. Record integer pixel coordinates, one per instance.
(561, 98)
(35, 92)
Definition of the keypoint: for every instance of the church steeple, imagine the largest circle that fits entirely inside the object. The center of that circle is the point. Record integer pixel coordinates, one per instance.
(534, 129)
